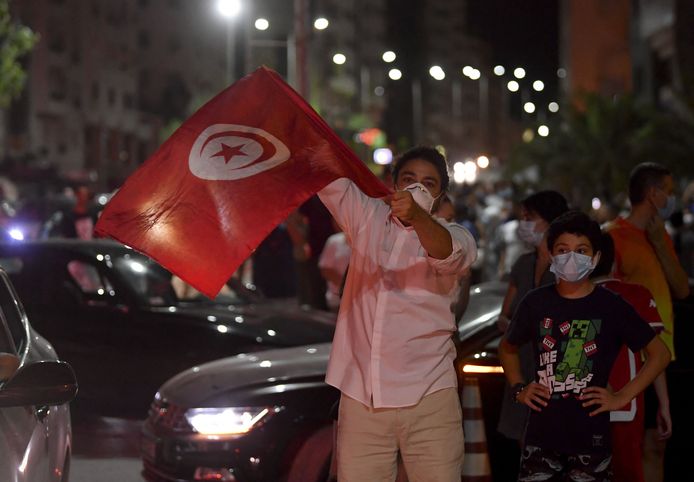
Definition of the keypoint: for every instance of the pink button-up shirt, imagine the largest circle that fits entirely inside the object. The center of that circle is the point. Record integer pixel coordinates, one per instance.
(392, 342)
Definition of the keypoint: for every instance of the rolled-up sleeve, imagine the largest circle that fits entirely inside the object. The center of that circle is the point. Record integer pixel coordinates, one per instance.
(463, 255)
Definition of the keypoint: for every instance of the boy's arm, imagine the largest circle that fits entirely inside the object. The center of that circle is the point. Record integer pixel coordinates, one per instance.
(533, 395)
(658, 358)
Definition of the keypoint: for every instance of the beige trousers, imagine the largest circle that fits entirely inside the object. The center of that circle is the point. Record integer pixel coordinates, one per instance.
(428, 435)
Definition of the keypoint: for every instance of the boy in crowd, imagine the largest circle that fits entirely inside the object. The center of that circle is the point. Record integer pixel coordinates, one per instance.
(577, 330)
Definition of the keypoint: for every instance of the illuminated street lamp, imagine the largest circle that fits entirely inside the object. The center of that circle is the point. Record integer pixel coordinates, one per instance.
(389, 56)
(499, 70)
(262, 24)
(483, 162)
(519, 72)
(321, 23)
(553, 107)
(543, 130)
(513, 86)
(538, 85)
(229, 8)
(529, 107)
(467, 70)
(395, 74)
(339, 59)
(437, 72)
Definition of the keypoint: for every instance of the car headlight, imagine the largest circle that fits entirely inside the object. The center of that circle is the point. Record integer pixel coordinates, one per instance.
(226, 420)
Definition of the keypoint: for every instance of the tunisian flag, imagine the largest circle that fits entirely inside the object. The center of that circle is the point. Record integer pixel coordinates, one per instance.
(231, 173)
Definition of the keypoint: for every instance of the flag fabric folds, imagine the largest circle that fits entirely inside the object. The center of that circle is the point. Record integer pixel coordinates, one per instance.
(231, 173)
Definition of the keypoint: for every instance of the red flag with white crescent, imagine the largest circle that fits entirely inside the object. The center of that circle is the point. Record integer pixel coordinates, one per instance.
(231, 173)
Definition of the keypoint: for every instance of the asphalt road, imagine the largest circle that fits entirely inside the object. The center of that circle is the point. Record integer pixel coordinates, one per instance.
(105, 450)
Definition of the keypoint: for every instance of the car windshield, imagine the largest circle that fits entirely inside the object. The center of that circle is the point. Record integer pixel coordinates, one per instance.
(155, 286)
(150, 282)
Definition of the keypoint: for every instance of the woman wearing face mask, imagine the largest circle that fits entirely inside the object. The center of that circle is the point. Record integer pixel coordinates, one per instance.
(530, 271)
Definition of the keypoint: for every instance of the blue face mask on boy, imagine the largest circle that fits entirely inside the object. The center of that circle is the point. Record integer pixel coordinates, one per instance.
(572, 266)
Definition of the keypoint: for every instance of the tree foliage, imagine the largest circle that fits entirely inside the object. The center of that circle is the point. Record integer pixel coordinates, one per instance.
(15, 41)
(592, 148)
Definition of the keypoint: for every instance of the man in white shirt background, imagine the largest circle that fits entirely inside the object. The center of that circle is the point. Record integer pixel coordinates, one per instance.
(392, 355)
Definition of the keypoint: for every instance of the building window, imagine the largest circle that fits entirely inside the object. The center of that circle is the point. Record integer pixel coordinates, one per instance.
(128, 101)
(57, 83)
(174, 43)
(143, 39)
(56, 41)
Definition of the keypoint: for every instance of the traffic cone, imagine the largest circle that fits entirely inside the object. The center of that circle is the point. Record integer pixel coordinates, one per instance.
(476, 467)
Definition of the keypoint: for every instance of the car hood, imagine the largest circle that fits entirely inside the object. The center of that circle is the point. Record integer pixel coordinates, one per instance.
(199, 385)
(271, 323)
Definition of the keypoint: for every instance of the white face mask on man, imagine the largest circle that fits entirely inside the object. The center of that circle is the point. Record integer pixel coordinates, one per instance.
(573, 266)
(421, 196)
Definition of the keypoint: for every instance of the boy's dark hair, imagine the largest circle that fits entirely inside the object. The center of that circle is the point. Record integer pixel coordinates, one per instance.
(604, 266)
(425, 153)
(547, 204)
(643, 177)
(574, 222)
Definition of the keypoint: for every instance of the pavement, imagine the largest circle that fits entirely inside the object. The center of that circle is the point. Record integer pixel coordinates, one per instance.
(105, 449)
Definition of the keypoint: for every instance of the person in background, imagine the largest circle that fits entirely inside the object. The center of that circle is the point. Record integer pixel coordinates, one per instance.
(576, 330)
(627, 423)
(333, 264)
(644, 254)
(530, 271)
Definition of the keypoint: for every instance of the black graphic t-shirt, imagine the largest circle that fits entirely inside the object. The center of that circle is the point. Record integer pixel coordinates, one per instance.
(575, 344)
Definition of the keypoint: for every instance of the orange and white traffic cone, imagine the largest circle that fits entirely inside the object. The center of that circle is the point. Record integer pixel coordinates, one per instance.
(476, 467)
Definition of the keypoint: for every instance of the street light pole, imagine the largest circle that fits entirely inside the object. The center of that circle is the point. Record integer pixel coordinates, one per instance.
(416, 110)
(229, 9)
(230, 54)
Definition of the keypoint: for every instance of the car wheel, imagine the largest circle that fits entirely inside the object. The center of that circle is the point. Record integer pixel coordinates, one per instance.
(312, 461)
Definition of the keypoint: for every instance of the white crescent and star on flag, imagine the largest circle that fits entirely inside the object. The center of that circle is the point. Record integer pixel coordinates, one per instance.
(225, 152)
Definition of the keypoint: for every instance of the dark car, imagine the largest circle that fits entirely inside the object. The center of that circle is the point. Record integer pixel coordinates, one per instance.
(112, 313)
(269, 416)
(35, 388)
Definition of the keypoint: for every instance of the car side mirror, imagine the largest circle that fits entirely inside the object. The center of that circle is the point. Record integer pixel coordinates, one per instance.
(40, 383)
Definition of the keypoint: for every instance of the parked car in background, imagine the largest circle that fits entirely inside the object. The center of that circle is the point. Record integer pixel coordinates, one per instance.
(112, 313)
(269, 416)
(35, 391)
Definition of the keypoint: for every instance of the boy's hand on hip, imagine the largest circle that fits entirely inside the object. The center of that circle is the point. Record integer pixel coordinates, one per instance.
(534, 396)
(601, 398)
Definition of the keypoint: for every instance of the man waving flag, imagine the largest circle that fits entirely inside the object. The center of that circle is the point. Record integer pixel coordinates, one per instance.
(231, 173)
